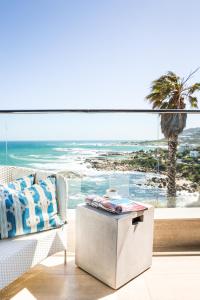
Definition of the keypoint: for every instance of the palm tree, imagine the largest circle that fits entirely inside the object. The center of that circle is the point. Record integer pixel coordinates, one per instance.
(172, 92)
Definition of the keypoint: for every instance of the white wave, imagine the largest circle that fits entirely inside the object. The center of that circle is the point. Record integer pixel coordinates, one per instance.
(84, 151)
(185, 198)
(96, 144)
(78, 151)
(35, 156)
(42, 159)
(77, 196)
(95, 179)
(61, 149)
(24, 158)
(48, 166)
(93, 152)
(81, 168)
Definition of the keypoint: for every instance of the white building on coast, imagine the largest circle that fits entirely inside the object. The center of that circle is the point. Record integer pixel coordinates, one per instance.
(194, 154)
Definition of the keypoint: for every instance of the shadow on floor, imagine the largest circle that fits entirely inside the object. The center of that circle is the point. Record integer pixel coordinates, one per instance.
(53, 280)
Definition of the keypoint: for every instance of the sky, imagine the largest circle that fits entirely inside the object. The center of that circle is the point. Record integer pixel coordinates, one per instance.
(91, 54)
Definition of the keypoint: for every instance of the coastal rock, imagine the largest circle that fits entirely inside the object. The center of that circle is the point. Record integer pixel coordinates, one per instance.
(181, 185)
(147, 162)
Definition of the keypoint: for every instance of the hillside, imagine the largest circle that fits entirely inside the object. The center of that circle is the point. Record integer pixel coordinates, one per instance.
(189, 136)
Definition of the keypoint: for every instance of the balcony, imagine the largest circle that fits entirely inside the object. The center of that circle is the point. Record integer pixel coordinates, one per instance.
(95, 155)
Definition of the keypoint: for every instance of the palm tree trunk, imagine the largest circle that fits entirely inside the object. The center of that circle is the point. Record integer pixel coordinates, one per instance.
(171, 171)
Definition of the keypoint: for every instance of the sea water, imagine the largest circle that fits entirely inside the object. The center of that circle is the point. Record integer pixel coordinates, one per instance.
(71, 156)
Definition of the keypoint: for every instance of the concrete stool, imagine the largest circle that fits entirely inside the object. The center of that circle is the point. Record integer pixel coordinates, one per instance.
(113, 248)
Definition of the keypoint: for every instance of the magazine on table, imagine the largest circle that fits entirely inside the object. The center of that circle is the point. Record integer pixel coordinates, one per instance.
(118, 205)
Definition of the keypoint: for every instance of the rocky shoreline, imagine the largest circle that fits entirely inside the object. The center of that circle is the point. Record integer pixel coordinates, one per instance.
(108, 165)
(147, 162)
(181, 184)
(116, 161)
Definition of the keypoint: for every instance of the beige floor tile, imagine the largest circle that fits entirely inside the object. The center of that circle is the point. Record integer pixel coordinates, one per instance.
(176, 265)
(174, 287)
(170, 278)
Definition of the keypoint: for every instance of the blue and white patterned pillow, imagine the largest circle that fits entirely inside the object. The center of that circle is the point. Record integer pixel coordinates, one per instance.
(32, 210)
(19, 184)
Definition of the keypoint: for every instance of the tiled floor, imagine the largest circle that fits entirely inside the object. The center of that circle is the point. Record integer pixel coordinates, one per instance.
(170, 278)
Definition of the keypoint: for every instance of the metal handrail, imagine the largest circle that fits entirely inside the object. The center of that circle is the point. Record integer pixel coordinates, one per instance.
(46, 111)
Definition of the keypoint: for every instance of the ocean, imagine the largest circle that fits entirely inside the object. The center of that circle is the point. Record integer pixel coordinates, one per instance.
(71, 155)
(59, 154)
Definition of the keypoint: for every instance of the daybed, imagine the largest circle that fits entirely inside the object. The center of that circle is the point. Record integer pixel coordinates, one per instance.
(19, 254)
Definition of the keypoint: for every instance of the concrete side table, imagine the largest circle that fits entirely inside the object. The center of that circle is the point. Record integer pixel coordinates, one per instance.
(113, 248)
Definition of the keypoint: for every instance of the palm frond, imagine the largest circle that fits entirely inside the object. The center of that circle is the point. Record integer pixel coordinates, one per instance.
(194, 88)
(184, 81)
(157, 104)
(170, 91)
(154, 95)
(165, 105)
(171, 76)
(193, 101)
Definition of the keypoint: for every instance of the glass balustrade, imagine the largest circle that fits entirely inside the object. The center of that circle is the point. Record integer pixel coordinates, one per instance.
(96, 152)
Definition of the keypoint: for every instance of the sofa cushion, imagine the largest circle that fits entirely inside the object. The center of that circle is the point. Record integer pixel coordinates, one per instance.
(31, 210)
(19, 184)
